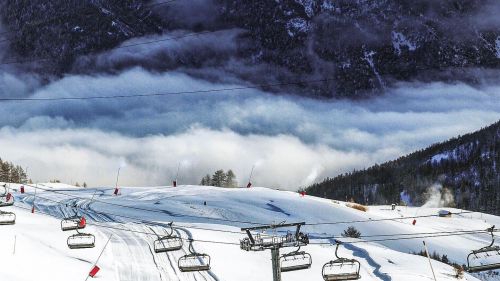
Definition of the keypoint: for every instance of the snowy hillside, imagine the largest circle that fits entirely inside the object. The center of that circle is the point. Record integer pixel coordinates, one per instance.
(137, 215)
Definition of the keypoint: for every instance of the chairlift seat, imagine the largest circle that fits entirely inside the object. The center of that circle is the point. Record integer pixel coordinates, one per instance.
(81, 241)
(294, 261)
(168, 244)
(341, 277)
(7, 218)
(295, 267)
(194, 262)
(335, 270)
(491, 248)
(6, 204)
(72, 223)
(5, 201)
(485, 267)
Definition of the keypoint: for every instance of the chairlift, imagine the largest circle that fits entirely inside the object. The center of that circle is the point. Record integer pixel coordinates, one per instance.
(6, 200)
(194, 261)
(341, 268)
(296, 260)
(490, 249)
(73, 223)
(7, 218)
(168, 243)
(81, 241)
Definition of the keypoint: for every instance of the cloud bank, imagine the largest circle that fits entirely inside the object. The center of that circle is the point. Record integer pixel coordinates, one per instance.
(296, 141)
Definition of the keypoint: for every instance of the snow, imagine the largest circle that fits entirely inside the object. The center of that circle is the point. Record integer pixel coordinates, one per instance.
(438, 157)
(296, 25)
(399, 40)
(41, 245)
(369, 59)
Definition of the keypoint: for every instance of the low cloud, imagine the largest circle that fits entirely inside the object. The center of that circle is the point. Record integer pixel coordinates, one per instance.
(295, 141)
(94, 156)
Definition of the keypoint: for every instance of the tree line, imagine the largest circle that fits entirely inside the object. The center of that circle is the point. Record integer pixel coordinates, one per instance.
(220, 179)
(12, 173)
(467, 167)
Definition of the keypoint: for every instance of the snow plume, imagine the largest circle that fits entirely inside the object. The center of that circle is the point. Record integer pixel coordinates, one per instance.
(438, 197)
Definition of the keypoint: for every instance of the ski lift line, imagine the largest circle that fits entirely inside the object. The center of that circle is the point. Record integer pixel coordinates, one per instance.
(431, 234)
(78, 12)
(237, 244)
(254, 223)
(162, 94)
(136, 231)
(405, 238)
(401, 234)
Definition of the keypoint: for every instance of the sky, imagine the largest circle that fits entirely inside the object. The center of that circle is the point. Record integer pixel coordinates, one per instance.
(291, 141)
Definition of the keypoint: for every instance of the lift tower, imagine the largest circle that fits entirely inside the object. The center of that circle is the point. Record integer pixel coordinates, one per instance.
(274, 243)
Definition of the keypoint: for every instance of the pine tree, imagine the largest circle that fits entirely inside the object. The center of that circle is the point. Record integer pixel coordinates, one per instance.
(219, 178)
(205, 180)
(230, 179)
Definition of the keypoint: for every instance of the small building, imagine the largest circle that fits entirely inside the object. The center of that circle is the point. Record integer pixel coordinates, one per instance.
(444, 214)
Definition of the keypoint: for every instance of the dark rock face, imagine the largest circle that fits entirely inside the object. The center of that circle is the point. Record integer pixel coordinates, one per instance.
(366, 45)
(356, 48)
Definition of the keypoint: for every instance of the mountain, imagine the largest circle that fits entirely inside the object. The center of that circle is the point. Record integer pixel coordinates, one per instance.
(354, 48)
(462, 172)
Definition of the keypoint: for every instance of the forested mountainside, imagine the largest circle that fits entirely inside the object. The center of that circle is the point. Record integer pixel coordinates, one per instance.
(464, 170)
(351, 48)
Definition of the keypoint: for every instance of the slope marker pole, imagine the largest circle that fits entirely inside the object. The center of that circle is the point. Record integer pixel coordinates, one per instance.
(99, 257)
(427, 253)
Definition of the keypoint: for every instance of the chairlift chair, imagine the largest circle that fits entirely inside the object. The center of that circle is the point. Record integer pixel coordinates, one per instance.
(296, 260)
(193, 261)
(7, 218)
(341, 269)
(485, 250)
(73, 223)
(6, 200)
(81, 241)
(168, 243)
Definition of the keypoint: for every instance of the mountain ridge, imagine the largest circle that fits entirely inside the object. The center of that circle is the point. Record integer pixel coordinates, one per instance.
(465, 167)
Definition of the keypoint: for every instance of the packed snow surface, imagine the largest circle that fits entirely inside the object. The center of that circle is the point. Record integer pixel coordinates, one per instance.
(35, 247)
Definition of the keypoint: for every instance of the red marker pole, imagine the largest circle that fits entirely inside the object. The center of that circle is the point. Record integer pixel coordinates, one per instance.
(176, 175)
(250, 178)
(34, 198)
(117, 190)
(95, 269)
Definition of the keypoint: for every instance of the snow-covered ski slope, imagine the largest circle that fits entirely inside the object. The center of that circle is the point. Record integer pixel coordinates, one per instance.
(139, 214)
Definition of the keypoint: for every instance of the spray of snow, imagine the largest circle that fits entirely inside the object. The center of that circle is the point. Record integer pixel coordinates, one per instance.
(438, 197)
